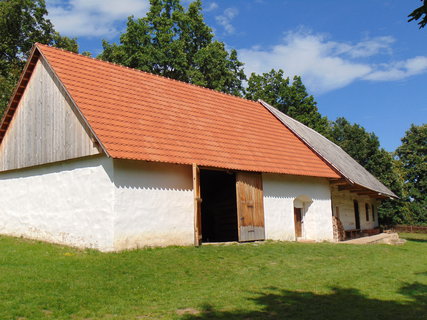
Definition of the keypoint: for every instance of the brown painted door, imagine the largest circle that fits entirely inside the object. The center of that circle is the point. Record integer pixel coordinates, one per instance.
(250, 206)
(298, 219)
(197, 206)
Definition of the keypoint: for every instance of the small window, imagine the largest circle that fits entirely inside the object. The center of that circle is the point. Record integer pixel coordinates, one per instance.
(367, 211)
(373, 213)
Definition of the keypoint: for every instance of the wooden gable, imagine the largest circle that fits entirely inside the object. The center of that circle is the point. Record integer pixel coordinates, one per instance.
(46, 126)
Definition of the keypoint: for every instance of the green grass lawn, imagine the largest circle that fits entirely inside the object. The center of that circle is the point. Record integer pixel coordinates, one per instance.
(251, 281)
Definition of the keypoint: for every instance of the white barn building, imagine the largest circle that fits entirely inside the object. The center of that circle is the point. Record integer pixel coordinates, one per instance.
(101, 156)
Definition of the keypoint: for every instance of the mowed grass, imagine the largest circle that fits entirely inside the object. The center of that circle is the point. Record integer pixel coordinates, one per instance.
(249, 281)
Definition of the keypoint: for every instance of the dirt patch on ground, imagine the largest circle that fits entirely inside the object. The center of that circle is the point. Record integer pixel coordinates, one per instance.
(187, 311)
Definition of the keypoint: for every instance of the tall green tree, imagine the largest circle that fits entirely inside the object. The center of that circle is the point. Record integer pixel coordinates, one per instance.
(22, 23)
(413, 155)
(289, 97)
(365, 148)
(176, 42)
(420, 14)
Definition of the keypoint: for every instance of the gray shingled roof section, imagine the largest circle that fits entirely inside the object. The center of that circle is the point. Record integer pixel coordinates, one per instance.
(331, 153)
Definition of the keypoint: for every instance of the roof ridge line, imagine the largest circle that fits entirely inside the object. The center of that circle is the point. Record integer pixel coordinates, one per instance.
(268, 107)
(144, 72)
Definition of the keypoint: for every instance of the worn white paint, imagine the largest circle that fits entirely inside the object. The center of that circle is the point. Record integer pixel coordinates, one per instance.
(69, 203)
(110, 204)
(153, 204)
(344, 201)
(283, 192)
(100, 203)
(44, 128)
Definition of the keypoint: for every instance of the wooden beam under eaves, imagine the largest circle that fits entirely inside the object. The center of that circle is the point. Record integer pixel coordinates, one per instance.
(349, 188)
(338, 182)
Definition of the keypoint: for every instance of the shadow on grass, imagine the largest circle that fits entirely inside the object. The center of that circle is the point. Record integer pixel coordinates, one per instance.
(340, 304)
(415, 240)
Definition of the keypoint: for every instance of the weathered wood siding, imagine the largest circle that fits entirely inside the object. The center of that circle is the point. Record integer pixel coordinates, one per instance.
(250, 206)
(44, 128)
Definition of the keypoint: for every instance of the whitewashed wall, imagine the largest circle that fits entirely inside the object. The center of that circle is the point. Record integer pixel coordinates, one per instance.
(344, 201)
(67, 202)
(110, 204)
(280, 192)
(153, 204)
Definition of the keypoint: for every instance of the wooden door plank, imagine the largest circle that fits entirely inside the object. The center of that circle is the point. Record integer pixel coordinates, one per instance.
(250, 206)
(197, 206)
(298, 222)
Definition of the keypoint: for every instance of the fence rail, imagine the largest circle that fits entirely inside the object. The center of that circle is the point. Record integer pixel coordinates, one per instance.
(411, 229)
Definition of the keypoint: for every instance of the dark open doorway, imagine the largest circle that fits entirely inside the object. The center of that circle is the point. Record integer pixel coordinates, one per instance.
(219, 206)
(356, 214)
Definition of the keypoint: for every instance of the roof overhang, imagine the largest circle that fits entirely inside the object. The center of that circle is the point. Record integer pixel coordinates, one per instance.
(353, 184)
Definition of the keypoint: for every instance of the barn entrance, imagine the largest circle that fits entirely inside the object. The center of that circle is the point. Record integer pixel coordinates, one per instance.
(228, 206)
(219, 206)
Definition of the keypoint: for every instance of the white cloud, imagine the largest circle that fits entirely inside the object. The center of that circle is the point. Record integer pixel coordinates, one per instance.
(211, 7)
(93, 18)
(399, 70)
(366, 48)
(225, 19)
(327, 65)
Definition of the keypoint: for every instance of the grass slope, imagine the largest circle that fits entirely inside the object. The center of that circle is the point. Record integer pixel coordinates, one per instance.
(251, 281)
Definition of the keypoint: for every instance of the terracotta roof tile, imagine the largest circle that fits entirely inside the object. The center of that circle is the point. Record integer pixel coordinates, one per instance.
(141, 116)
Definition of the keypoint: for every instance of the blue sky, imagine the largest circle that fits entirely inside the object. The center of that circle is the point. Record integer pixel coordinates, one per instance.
(360, 59)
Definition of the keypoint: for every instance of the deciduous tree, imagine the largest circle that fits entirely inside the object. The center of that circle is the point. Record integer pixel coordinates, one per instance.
(413, 155)
(290, 98)
(419, 14)
(22, 23)
(176, 42)
(365, 148)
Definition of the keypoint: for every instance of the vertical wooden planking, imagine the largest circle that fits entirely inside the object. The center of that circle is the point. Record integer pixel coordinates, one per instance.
(45, 127)
(197, 206)
(298, 222)
(250, 206)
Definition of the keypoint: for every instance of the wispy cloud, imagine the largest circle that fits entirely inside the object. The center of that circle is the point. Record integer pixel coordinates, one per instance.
(211, 7)
(327, 65)
(225, 19)
(399, 70)
(94, 17)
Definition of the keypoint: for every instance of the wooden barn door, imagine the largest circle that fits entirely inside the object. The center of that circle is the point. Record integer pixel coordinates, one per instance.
(197, 206)
(298, 222)
(250, 206)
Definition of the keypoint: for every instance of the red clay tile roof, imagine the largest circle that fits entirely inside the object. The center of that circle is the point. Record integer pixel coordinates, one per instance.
(141, 116)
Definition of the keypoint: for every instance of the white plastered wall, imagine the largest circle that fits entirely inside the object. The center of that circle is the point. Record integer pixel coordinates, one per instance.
(68, 202)
(344, 200)
(153, 204)
(280, 191)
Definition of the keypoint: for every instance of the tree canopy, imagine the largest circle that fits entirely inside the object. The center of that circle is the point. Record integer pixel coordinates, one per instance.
(419, 14)
(22, 23)
(290, 98)
(176, 42)
(365, 148)
(413, 156)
